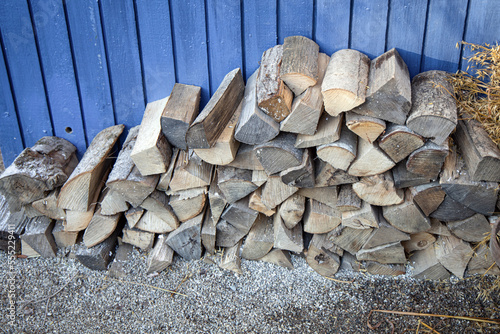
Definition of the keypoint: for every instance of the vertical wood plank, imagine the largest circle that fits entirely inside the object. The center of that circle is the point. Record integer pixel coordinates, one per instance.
(124, 63)
(224, 39)
(445, 27)
(11, 142)
(25, 73)
(156, 48)
(295, 17)
(84, 23)
(405, 31)
(332, 25)
(259, 30)
(190, 46)
(482, 25)
(369, 25)
(58, 71)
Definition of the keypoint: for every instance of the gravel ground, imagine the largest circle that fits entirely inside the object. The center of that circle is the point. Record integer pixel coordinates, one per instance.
(264, 299)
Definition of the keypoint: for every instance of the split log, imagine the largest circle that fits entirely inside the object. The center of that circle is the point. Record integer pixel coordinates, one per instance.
(472, 229)
(385, 234)
(213, 119)
(349, 239)
(186, 240)
(428, 196)
(160, 256)
(246, 159)
(278, 257)
(346, 78)
(481, 154)
(231, 259)
(308, 106)
(84, 185)
(323, 261)
(450, 210)
(365, 217)
(287, 239)
(275, 192)
(366, 127)
(348, 262)
(179, 112)
(208, 232)
(370, 160)
(187, 204)
(328, 131)
(279, 154)
(433, 111)
(418, 241)
(47, 206)
(340, 153)
(378, 190)
(260, 239)
(482, 262)
(273, 96)
(158, 217)
(240, 215)
(133, 215)
(389, 253)
(375, 268)
(227, 235)
(216, 199)
(399, 141)
(27, 250)
(406, 216)
(235, 183)
(426, 265)
(100, 228)
(347, 199)
(152, 152)
(30, 211)
(165, 178)
(299, 65)
(117, 268)
(113, 203)
(190, 172)
(38, 235)
(327, 175)
(403, 178)
(438, 228)
(320, 218)
(454, 254)
(38, 170)
(63, 238)
(325, 195)
(99, 256)
(428, 160)
(389, 93)
(78, 220)
(292, 210)
(256, 203)
(259, 177)
(301, 176)
(138, 238)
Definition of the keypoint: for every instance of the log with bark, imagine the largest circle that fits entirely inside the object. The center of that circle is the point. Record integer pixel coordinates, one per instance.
(186, 240)
(279, 154)
(340, 153)
(235, 183)
(399, 141)
(327, 175)
(301, 176)
(379, 190)
(366, 127)
(328, 131)
(323, 261)
(187, 204)
(38, 235)
(407, 216)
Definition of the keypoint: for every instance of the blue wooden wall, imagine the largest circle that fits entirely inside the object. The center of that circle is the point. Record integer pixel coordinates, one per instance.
(73, 67)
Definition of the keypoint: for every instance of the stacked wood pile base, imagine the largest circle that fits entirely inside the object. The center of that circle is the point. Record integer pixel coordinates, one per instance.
(340, 159)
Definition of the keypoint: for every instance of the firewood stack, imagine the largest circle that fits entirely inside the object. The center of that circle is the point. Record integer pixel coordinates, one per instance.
(340, 159)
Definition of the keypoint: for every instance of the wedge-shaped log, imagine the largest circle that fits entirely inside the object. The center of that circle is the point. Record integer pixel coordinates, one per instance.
(299, 65)
(292, 210)
(62, 237)
(231, 259)
(406, 216)
(133, 215)
(399, 141)
(212, 120)
(349, 239)
(187, 204)
(482, 262)
(180, 111)
(308, 106)
(279, 154)
(99, 256)
(216, 199)
(366, 127)
(472, 229)
(100, 228)
(287, 239)
(158, 217)
(426, 265)
(256, 203)
(78, 220)
(340, 153)
(438, 228)
(375, 268)
(208, 232)
(240, 215)
(152, 152)
(160, 256)
(370, 160)
(259, 177)
(84, 185)
(320, 218)
(403, 178)
(428, 160)
(300, 176)
(38, 170)
(27, 251)
(389, 253)
(166, 177)
(385, 234)
(454, 254)
(365, 217)
(47, 206)
(325, 195)
(260, 239)
(389, 94)
(418, 241)
(227, 235)
(327, 175)
(235, 183)
(450, 210)
(273, 96)
(428, 196)
(379, 190)
(186, 240)
(138, 238)
(278, 257)
(113, 203)
(190, 172)
(246, 159)
(323, 261)
(275, 192)
(347, 199)
(38, 235)
(346, 78)
(328, 131)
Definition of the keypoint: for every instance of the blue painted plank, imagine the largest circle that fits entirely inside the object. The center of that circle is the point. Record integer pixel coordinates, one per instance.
(190, 46)
(445, 27)
(482, 25)
(332, 25)
(260, 31)
(84, 23)
(24, 66)
(295, 17)
(11, 142)
(369, 25)
(58, 71)
(155, 38)
(405, 31)
(124, 63)
(224, 39)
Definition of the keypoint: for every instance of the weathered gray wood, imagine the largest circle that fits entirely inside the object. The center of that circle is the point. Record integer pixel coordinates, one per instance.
(345, 82)
(113, 203)
(47, 206)
(323, 261)
(100, 228)
(481, 154)
(133, 215)
(342, 152)
(275, 192)
(227, 235)
(158, 217)
(472, 229)
(299, 65)
(118, 268)
(38, 235)
(235, 183)
(370, 160)
(385, 234)
(347, 199)
(399, 141)
(349, 239)
(273, 96)
(450, 210)
(63, 238)
(240, 215)
(165, 178)
(426, 265)
(389, 93)
(406, 216)
(190, 172)
(328, 131)
(99, 256)
(38, 170)
(378, 190)
(325, 195)
(292, 210)
(300, 176)
(375, 268)
(279, 154)
(256, 203)
(278, 257)
(179, 112)
(320, 218)
(246, 159)
(428, 196)
(78, 220)
(363, 218)
(327, 175)
(160, 256)
(212, 120)
(208, 232)
(216, 199)
(428, 160)
(83, 186)
(287, 239)
(366, 127)
(260, 239)
(482, 262)
(27, 250)
(231, 259)
(349, 263)
(308, 106)
(30, 211)
(138, 238)
(186, 240)
(389, 253)
(438, 228)
(433, 111)
(259, 177)
(454, 254)
(418, 241)
(187, 204)
(152, 152)
(403, 178)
